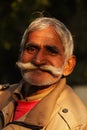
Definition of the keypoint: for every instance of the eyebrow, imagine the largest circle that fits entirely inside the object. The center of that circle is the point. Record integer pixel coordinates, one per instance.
(55, 48)
(51, 46)
(31, 44)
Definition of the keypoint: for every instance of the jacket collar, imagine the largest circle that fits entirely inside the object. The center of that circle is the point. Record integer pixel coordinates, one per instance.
(17, 95)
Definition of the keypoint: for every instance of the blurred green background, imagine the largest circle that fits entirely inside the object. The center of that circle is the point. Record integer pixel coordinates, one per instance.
(15, 16)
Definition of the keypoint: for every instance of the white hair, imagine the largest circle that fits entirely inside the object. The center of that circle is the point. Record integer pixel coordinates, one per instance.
(44, 22)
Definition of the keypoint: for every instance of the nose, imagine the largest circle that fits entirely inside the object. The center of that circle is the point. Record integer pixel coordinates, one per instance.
(39, 58)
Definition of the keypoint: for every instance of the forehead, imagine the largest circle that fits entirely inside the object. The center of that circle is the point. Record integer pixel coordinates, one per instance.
(45, 36)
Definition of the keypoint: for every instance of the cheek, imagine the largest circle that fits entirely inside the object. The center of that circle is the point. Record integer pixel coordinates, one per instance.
(25, 57)
(58, 62)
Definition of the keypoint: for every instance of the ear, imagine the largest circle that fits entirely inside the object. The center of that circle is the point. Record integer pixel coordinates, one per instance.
(69, 66)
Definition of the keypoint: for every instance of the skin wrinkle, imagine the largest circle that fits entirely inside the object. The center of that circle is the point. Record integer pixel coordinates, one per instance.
(45, 51)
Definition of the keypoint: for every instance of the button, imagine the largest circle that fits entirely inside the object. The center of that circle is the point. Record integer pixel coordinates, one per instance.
(65, 110)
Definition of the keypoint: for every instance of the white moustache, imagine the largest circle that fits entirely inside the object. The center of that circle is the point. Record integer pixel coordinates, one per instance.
(29, 66)
(26, 66)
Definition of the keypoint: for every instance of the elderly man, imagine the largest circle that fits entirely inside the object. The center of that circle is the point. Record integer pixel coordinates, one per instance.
(42, 99)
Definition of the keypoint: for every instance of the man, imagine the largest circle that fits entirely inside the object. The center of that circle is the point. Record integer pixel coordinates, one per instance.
(43, 100)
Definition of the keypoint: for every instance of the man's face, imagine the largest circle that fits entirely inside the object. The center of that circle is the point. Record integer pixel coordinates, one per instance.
(43, 48)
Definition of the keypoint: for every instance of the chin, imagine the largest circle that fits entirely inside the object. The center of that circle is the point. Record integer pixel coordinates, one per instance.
(41, 80)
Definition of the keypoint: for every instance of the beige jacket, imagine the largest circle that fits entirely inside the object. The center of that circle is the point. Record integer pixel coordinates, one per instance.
(61, 109)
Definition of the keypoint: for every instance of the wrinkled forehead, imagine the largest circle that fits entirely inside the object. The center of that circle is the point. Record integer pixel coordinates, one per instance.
(51, 31)
(44, 37)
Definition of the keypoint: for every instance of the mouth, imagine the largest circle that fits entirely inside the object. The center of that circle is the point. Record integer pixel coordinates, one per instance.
(35, 70)
(38, 71)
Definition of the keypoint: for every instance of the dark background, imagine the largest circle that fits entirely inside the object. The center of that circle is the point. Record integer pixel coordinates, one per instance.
(15, 16)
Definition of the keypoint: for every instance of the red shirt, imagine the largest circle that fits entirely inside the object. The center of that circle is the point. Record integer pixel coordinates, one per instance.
(23, 107)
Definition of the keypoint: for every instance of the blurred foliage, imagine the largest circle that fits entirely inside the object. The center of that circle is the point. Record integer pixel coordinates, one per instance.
(15, 15)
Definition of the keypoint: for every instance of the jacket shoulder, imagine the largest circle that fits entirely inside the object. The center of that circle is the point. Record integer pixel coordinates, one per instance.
(4, 86)
(7, 86)
(73, 111)
(6, 92)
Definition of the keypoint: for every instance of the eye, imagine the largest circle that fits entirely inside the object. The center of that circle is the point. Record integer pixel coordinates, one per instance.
(52, 50)
(30, 48)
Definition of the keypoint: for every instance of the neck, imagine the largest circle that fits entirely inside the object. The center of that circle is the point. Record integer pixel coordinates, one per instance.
(29, 90)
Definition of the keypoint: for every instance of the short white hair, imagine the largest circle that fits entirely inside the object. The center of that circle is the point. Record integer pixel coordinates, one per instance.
(63, 32)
